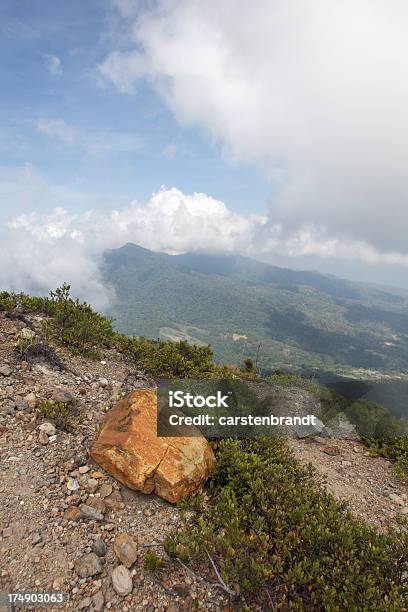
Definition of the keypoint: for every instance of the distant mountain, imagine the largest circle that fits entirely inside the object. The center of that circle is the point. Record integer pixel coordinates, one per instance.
(293, 319)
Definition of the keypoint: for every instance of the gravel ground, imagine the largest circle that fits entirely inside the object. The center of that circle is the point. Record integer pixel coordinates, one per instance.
(44, 530)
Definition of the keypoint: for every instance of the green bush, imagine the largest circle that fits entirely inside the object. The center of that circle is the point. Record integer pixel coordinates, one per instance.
(75, 325)
(393, 449)
(152, 562)
(58, 412)
(167, 359)
(270, 526)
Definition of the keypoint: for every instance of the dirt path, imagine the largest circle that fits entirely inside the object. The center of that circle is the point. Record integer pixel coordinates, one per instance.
(368, 484)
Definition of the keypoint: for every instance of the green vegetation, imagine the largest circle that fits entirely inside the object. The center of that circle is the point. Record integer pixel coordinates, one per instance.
(394, 449)
(273, 530)
(303, 319)
(153, 562)
(58, 412)
(167, 359)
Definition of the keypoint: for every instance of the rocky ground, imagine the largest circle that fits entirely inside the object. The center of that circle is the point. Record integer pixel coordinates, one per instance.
(65, 525)
(60, 515)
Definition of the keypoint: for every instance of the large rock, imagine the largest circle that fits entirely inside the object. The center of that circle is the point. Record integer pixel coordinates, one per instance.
(129, 449)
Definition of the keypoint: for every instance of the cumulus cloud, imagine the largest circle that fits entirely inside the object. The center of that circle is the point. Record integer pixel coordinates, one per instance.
(40, 251)
(314, 93)
(53, 64)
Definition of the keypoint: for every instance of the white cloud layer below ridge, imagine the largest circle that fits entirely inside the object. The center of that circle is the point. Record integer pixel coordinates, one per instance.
(39, 252)
(315, 93)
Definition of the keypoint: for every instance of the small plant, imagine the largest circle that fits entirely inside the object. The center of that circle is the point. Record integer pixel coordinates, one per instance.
(153, 562)
(58, 412)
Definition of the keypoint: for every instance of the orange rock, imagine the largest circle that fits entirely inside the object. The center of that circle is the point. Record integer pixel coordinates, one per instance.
(129, 449)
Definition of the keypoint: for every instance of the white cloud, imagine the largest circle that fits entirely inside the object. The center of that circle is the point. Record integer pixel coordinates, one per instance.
(94, 142)
(57, 128)
(39, 252)
(314, 93)
(53, 64)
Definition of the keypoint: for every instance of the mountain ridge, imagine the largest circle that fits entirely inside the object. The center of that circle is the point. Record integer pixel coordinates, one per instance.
(302, 318)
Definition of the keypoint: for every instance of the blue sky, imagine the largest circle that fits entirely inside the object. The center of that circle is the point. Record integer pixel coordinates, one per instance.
(125, 147)
(275, 129)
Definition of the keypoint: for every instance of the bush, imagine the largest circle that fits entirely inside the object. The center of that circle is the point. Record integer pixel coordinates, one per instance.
(57, 412)
(167, 359)
(152, 562)
(75, 325)
(272, 529)
(393, 449)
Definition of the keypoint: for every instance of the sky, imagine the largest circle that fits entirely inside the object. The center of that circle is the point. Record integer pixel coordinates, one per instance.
(277, 129)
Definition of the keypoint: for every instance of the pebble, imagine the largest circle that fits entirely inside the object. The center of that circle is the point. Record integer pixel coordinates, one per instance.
(43, 438)
(88, 565)
(105, 490)
(396, 499)
(91, 513)
(72, 484)
(83, 469)
(122, 580)
(125, 549)
(84, 603)
(48, 428)
(62, 396)
(99, 547)
(91, 485)
(98, 601)
(5, 370)
(72, 513)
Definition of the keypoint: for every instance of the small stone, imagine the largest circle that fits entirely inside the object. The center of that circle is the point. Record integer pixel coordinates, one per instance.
(90, 513)
(96, 474)
(122, 580)
(331, 450)
(5, 370)
(84, 469)
(62, 396)
(105, 490)
(84, 603)
(52, 438)
(48, 428)
(72, 484)
(88, 565)
(404, 511)
(72, 513)
(31, 401)
(43, 438)
(125, 549)
(97, 503)
(98, 601)
(36, 538)
(57, 584)
(114, 500)
(99, 547)
(396, 499)
(103, 382)
(91, 485)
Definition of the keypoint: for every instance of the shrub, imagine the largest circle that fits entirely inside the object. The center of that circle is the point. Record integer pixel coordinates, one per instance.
(75, 325)
(168, 359)
(152, 562)
(270, 527)
(57, 412)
